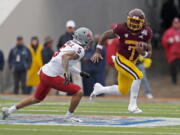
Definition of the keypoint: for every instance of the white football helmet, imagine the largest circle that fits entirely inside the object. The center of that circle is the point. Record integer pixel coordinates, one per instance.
(83, 35)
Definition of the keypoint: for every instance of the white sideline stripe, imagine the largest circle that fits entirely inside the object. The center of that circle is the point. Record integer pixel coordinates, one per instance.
(90, 111)
(88, 131)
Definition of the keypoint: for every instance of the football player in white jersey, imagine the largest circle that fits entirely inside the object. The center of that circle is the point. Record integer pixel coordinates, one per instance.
(55, 74)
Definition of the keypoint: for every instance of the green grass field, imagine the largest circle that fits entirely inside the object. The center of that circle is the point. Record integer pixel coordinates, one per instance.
(101, 107)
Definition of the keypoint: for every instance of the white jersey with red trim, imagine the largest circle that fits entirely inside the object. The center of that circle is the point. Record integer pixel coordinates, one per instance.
(55, 67)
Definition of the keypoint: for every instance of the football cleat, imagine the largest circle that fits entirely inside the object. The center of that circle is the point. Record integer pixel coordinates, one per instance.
(5, 113)
(75, 120)
(70, 118)
(135, 110)
(96, 91)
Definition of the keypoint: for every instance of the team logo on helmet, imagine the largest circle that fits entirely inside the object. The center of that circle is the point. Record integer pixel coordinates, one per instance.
(88, 35)
(83, 35)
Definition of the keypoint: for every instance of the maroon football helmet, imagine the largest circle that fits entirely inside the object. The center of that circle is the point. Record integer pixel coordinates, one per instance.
(136, 19)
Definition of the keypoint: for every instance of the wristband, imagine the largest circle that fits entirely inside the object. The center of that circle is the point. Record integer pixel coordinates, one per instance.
(146, 54)
(99, 47)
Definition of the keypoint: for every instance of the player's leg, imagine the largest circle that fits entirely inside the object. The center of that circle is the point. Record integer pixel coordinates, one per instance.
(133, 97)
(121, 88)
(73, 89)
(124, 83)
(75, 101)
(40, 93)
(131, 72)
(99, 89)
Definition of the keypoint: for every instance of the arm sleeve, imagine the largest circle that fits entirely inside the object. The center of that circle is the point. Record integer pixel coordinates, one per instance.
(75, 70)
(117, 29)
(149, 34)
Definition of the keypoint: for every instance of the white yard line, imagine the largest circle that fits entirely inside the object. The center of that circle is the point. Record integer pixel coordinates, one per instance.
(154, 108)
(115, 108)
(102, 112)
(86, 131)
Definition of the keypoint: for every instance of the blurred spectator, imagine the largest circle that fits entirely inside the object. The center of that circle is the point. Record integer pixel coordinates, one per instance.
(143, 64)
(36, 53)
(47, 51)
(1, 70)
(19, 62)
(111, 49)
(96, 70)
(170, 9)
(171, 43)
(68, 35)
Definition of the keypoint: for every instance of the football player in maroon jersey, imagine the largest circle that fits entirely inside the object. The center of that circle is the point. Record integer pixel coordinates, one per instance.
(135, 39)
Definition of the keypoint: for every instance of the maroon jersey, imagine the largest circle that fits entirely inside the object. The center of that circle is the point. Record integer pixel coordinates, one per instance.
(128, 40)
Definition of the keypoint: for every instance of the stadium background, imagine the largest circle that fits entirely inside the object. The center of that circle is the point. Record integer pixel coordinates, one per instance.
(42, 17)
(48, 17)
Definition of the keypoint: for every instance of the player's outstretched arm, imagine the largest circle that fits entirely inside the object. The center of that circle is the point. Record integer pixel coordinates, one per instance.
(106, 35)
(65, 62)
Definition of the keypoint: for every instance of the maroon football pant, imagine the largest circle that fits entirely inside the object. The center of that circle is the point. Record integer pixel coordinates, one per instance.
(47, 82)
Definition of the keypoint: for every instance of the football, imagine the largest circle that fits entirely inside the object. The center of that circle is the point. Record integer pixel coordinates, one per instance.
(141, 47)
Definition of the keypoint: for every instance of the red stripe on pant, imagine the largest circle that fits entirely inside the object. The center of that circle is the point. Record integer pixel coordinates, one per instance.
(47, 82)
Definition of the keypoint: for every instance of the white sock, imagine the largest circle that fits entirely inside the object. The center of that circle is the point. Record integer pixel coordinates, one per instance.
(134, 93)
(113, 90)
(12, 109)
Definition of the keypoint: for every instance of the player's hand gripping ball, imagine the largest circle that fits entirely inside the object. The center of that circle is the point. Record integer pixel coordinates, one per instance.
(141, 47)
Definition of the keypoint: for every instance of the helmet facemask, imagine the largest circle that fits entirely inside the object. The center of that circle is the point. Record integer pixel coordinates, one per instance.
(135, 23)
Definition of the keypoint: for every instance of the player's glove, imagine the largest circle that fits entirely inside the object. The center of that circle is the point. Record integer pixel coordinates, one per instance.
(67, 78)
(84, 74)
